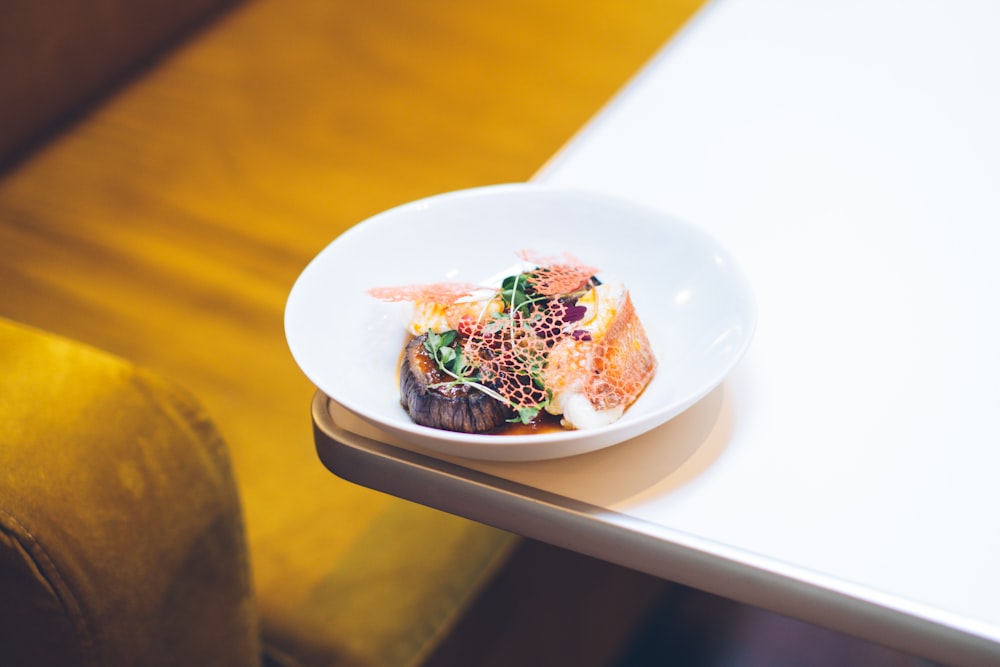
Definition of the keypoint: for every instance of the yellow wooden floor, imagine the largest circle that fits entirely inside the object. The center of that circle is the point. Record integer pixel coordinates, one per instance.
(169, 224)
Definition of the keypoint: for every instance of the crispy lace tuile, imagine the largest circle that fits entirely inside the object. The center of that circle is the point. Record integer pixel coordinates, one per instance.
(443, 293)
(557, 275)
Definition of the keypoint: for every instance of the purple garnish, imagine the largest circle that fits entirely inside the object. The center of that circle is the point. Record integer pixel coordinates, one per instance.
(574, 313)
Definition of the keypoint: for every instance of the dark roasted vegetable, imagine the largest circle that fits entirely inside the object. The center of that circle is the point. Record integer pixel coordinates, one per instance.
(430, 400)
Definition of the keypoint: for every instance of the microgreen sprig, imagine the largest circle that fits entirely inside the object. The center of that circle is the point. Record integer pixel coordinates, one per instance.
(445, 353)
(451, 360)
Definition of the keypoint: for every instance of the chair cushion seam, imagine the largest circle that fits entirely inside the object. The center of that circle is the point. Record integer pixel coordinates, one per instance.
(50, 572)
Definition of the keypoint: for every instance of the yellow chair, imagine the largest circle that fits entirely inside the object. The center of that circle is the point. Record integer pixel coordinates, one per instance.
(121, 537)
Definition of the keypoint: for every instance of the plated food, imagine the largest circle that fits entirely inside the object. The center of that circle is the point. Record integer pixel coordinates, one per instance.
(544, 337)
(696, 309)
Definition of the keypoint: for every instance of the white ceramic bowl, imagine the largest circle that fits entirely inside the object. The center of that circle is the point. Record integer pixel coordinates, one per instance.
(692, 299)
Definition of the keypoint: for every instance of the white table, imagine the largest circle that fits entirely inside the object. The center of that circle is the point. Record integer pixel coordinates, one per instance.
(848, 471)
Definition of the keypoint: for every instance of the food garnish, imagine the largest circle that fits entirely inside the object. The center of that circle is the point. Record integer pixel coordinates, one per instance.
(547, 335)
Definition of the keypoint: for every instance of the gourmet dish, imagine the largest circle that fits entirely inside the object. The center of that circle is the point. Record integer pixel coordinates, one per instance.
(543, 338)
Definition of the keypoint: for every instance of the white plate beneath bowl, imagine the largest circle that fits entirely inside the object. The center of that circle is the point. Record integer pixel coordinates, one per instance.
(694, 302)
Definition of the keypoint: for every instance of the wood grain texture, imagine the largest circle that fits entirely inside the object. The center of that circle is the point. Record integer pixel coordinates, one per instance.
(169, 224)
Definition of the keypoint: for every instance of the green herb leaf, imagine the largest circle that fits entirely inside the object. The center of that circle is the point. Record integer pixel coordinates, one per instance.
(446, 355)
(526, 415)
(514, 291)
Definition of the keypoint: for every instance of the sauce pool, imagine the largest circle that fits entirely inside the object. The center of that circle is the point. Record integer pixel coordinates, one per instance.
(543, 423)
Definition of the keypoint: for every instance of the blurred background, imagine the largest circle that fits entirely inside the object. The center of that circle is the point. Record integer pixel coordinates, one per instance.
(169, 168)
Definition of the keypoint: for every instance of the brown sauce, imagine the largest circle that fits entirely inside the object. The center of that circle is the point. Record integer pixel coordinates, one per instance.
(543, 423)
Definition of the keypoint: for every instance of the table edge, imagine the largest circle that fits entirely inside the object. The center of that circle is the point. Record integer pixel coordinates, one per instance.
(588, 529)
